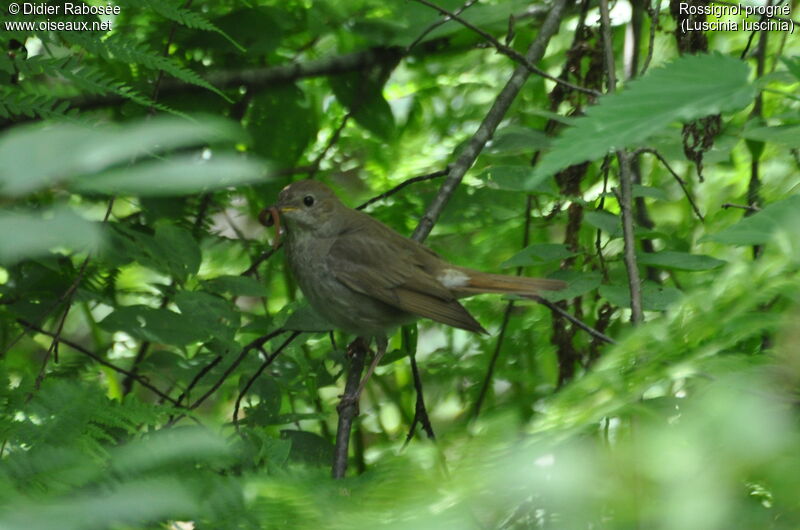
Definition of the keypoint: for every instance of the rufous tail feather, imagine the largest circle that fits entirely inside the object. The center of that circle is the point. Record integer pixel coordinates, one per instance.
(481, 282)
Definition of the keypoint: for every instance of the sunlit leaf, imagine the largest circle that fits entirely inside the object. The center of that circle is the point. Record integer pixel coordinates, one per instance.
(175, 176)
(759, 228)
(28, 234)
(683, 90)
(34, 156)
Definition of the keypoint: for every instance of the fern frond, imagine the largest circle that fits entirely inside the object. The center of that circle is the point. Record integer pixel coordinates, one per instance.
(119, 49)
(190, 19)
(92, 80)
(15, 103)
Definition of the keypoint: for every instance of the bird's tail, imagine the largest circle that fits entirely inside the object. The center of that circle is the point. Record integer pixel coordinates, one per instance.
(481, 282)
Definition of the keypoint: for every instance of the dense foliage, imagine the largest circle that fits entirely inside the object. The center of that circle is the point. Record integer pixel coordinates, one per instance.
(160, 369)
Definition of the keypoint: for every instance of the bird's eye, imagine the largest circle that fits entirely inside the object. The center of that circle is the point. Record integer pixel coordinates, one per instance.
(308, 200)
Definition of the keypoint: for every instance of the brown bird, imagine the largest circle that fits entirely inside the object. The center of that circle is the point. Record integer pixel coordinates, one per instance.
(366, 279)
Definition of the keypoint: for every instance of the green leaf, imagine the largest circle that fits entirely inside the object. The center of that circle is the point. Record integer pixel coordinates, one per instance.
(537, 254)
(363, 97)
(32, 157)
(515, 140)
(649, 191)
(682, 90)
(130, 504)
(236, 286)
(758, 229)
(166, 447)
(655, 297)
(282, 122)
(512, 178)
(682, 261)
(609, 223)
(787, 135)
(175, 176)
(309, 447)
(155, 325)
(578, 284)
(304, 318)
(178, 250)
(171, 249)
(793, 65)
(28, 234)
(214, 315)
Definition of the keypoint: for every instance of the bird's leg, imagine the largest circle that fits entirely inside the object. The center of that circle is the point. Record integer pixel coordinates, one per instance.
(381, 343)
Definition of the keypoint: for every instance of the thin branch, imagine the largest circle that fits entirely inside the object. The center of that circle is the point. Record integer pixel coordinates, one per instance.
(268, 361)
(348, 406)
(420, 410)
(66, 298)
(207, 368)
(604, 170)
(412, 180)
(490, 122)
(675, 175)
(438, 23)
(487, 378)
(77, 347)
(653, 9)
(626, 187)
(757, 114)
(165, 54)
(585, 327)
(259, 78)
(508, 51)
(747, 207)
(334, 139)
(253, 268)
(257, 343)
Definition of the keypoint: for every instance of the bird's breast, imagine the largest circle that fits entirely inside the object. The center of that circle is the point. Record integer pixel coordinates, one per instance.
(346, 309)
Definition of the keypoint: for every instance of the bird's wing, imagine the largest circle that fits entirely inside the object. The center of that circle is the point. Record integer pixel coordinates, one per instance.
(380, 263)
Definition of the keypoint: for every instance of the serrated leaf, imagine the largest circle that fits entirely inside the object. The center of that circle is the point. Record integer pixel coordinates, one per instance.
(178, 250)
(26, 234)
(679, 261)
(682, 90)
(537, 254)
(758, 229)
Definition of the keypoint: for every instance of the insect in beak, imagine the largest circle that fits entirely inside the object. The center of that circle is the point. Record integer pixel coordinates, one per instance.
(271, 216)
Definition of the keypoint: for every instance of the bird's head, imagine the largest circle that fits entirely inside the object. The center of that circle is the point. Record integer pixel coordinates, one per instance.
(310, 207)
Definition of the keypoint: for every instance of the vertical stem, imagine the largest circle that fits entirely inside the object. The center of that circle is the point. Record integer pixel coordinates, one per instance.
(626, 193)
(348, 407)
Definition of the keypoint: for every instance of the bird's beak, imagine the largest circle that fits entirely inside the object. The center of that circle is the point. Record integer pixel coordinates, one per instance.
(267, 216)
